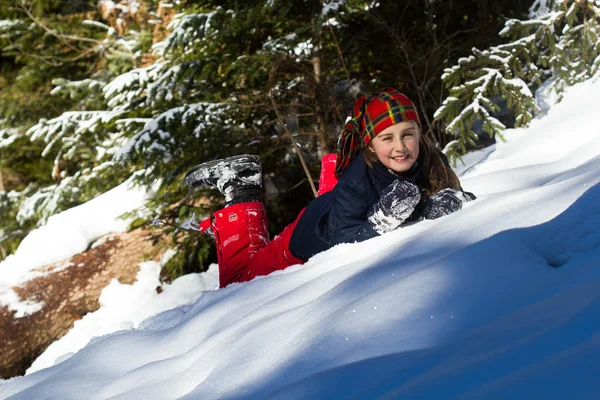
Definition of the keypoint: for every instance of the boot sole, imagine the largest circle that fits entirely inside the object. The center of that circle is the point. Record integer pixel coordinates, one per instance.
(193, 181)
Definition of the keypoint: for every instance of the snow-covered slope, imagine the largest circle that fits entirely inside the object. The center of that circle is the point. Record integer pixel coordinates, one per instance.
(499, 300)
(64, 235)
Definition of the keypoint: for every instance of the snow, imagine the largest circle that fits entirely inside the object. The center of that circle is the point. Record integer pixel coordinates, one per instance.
(124, 307)
(79, 122)
(282, 43)
(153, 137)
(331, 7)
(188, 29)
(539, 8)
(522, 42)
(290, 44)
(8, 25)
(63, 236)
(8, 136)
(499, 300)
(96, 24)
(480, 86)
(128, 87)
(122, 8)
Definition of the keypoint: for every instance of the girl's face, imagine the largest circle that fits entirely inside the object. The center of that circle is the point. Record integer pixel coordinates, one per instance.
(397, 147)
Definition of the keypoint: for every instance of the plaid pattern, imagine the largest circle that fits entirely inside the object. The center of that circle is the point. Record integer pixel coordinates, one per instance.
(371, 115)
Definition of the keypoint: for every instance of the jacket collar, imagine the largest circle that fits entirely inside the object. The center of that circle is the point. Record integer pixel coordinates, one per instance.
(382, 177)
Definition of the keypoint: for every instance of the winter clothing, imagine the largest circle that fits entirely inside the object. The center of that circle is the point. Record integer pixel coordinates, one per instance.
(364, 203)
(445, 202)
(239, 178)
(327, 179)
(341, 215)
(371, 115)
(244, 250)
(396, 204)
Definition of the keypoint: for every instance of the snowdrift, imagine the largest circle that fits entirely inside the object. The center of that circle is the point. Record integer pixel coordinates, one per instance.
(500, 299)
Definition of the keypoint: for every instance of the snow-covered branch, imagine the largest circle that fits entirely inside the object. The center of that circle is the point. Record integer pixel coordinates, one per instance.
(156, 138)
(561, 44)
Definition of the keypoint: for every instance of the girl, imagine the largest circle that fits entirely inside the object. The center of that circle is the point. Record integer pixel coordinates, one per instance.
(389, 174)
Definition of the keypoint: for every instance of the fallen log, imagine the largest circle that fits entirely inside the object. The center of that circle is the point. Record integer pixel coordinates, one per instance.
(68, 290)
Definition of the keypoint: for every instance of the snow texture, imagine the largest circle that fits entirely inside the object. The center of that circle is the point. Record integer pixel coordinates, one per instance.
(155, 137)
(124, 307)
(122, 8)
(79, 123)
(499, 300)
(396, 204)
(10, 25)
(96, 24)
(8, 136)
(128, 87)
(331, 6)
(188, 30)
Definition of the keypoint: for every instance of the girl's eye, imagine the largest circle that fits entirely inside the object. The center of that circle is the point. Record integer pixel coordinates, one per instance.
(387, 139)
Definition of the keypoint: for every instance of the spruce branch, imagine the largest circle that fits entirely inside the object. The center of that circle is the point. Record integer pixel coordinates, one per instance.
(560, 47)
(55, 33)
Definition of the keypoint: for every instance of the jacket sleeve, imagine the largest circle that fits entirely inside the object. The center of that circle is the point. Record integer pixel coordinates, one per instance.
(349, 214)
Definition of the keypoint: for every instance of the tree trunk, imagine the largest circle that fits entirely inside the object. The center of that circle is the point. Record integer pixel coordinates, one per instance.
(68, 294)
(321, 121)
(484, 22)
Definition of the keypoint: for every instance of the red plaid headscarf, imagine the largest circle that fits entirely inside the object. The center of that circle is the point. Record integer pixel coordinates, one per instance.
(371, 115)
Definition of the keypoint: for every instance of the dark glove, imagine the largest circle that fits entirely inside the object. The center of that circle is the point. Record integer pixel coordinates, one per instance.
(444, 202)
(396, 204)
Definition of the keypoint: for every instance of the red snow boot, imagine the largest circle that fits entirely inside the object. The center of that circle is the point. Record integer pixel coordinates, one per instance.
(243, 247)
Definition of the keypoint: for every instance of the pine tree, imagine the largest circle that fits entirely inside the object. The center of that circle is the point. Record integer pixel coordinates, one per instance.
(56, 162)
(151, 89)
(207, 95)
(559, 45)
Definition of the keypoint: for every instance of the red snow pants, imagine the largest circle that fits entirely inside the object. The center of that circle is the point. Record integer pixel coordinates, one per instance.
(244, 250)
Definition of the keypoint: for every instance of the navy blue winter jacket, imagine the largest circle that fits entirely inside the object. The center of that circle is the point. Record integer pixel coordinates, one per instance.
(340, 215)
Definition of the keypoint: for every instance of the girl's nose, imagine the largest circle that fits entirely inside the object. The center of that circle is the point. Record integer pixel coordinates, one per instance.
(398, 145)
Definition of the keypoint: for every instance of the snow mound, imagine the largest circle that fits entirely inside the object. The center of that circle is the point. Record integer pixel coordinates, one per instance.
(124, 307)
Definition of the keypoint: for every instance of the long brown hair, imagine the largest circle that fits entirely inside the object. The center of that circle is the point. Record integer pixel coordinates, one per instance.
(436, 173)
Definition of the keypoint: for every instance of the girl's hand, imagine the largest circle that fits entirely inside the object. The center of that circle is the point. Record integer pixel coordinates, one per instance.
(444, 202)
(396, 204)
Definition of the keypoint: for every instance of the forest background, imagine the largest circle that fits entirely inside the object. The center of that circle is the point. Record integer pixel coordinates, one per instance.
(93, 92)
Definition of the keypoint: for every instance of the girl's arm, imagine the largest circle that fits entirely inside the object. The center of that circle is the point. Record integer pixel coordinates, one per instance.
(348, 220)
(356, 221)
